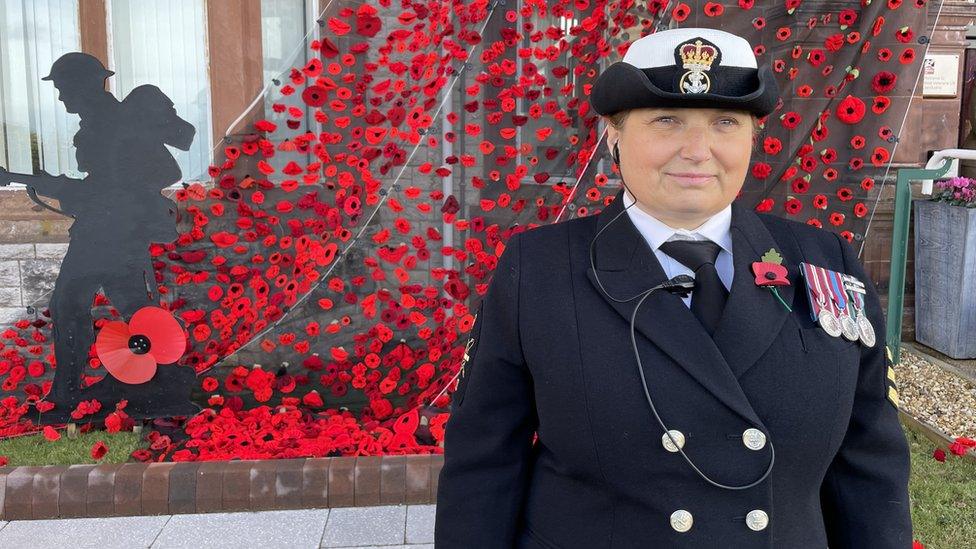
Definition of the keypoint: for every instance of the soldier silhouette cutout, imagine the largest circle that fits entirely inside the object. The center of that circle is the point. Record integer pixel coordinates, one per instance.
(118, 210)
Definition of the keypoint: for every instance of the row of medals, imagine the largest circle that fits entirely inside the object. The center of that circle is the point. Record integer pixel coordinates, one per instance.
(852, 329)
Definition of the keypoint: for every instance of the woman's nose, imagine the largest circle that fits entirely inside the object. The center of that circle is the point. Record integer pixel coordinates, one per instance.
(696, 144)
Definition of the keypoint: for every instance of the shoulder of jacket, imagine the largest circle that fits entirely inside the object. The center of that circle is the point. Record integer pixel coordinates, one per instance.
(553, 232)
(803, 233)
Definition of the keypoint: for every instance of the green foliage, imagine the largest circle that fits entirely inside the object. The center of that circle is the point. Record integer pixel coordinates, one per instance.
(943, 497)
(36, 450)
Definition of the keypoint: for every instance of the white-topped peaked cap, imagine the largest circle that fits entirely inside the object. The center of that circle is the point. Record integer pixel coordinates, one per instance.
(687, 67)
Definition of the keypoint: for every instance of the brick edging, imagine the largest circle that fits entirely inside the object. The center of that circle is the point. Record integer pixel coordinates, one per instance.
(130, 489)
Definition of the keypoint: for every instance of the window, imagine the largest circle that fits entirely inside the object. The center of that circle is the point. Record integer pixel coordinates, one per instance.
(35, 130)
(165, 44)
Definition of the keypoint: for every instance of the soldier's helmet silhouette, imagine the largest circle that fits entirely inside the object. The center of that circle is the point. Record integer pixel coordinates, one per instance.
(74, 72)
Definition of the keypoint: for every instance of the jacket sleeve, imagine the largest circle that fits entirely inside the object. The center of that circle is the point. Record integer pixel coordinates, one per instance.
(864, 495)
(488, 437)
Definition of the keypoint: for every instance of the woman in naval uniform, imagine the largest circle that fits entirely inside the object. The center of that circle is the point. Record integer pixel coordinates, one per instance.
(729, 417)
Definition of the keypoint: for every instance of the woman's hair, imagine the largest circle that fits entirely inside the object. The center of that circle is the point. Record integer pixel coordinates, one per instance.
(617, 121)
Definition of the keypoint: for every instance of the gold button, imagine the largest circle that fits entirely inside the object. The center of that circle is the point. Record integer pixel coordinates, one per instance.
(754, 439)
(678, 437)
(681, 520)
(757, 520)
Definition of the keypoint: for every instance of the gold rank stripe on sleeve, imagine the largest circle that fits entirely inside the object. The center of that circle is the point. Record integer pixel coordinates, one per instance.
(893, 395)
(891, 374)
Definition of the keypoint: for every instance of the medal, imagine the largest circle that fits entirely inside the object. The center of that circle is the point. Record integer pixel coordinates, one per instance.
(823, 311)
(865, 331)
(848, 326)
(830, 325)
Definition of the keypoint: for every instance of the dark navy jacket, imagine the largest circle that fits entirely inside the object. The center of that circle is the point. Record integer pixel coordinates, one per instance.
(552, 355)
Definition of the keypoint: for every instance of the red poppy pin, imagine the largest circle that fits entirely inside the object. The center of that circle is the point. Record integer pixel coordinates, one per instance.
(770, 273)
(130, 351)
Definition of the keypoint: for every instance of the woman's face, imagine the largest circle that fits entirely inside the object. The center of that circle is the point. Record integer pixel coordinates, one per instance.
(683, 165)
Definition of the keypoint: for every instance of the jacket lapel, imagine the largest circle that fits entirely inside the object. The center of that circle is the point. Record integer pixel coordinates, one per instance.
(627, 266)
(753, 317)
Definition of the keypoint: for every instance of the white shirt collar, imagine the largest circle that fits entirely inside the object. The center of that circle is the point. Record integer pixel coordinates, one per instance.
(716, 228)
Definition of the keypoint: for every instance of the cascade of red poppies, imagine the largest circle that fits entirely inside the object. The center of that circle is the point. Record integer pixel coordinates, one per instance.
(326, 276)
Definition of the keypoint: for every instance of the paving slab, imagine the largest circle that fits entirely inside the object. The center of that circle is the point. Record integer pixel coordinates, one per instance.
(265, 529)
(78, 533)
(420, 523)
(365, 526)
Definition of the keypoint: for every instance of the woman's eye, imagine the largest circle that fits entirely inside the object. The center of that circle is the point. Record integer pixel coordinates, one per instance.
(732, 120)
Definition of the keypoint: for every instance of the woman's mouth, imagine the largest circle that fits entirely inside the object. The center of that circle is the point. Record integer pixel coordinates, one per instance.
(691, 178)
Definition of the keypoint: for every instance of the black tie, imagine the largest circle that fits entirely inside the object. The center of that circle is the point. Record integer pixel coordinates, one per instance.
(708, 297)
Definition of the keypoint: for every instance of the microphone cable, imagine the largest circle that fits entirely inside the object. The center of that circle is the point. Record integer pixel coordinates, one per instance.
(681, 285)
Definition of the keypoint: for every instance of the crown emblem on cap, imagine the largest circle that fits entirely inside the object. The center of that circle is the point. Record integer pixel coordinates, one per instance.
(696, 56)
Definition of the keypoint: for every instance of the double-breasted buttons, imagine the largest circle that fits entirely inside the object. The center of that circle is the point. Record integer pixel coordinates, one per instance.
(678, 437)
(681, 520)
(754, 439)
(757, 520)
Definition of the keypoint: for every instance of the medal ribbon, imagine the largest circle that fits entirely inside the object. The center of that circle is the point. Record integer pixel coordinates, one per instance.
(838, 290)
(810, 279)
(813, 276)
(822, 282)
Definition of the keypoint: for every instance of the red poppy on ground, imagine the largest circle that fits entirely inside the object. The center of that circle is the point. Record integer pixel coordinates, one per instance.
(51, 434)
(850, 110)
(713, 9)
(314, 96)
(98, 450)
(131, 351)
(876, 26)
(816, 57)
(761, 170)
(765, 205)
(790, 120)
(880, 104)
(880, 156)
(834, 42)
(904, 34)
(793, 205)
(681, 12)
(846, 18)
(800, 185)
(883, 82)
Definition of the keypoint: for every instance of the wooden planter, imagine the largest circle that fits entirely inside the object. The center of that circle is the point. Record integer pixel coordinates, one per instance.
(945, 278)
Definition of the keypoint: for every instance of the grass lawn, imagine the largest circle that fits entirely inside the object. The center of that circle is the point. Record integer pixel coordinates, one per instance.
(943, 497)
(36, 450)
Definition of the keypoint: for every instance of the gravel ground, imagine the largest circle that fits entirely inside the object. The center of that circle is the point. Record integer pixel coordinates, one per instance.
(936, 396)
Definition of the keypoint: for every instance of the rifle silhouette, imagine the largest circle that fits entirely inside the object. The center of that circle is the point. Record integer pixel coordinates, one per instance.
(52, 186)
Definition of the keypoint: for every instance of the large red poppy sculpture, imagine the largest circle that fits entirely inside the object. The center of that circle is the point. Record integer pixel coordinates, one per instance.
(131, 351)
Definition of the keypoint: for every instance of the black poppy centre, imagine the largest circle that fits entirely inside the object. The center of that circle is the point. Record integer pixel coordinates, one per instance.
(139, 344)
